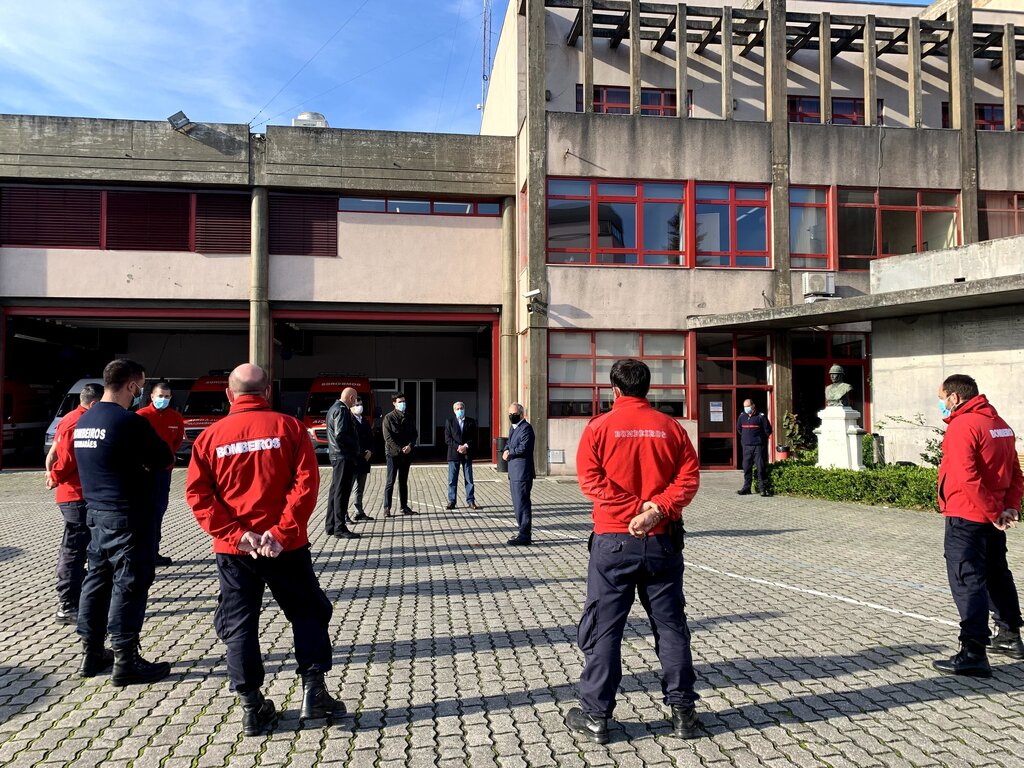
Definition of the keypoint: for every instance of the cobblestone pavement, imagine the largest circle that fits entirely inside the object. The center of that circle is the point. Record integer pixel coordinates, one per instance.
(813, 628)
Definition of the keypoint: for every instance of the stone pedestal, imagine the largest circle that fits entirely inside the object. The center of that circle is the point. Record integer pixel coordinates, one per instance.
(839, 438)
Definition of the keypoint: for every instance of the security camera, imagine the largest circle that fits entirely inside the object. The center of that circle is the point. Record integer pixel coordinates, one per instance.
(530, 294)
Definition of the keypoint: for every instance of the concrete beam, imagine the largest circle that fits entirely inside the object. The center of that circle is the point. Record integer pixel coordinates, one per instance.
(261, 331)
(914, 72)
(1009, 78)
(682, 61)
(635, 51)
(825, 67)
(776, 111)
(870, 73)
(588, 56)
(727, 76)
(961, 109)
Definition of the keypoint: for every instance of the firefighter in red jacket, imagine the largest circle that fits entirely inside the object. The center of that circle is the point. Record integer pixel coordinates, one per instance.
(252, 485)
(62, 474)
(980, 489)
(638, 467)
(170, 425)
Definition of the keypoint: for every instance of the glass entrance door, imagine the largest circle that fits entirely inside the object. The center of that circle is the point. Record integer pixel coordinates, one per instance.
(419, 396)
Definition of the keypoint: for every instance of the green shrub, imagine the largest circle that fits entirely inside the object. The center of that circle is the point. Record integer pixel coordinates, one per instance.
(889, 486)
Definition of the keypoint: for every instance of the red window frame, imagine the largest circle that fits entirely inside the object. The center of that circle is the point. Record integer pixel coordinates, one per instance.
(1015, 209)
(833, 356)
(987, 117)
(730, 258)
(846, 110)
(813, 261)
(615, 100)
(847, 261)
(385, 205)
(600, 392)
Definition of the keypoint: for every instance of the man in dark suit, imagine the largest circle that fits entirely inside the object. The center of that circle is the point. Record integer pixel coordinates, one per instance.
(399, 438)
(343, 450)
(460, 437)
(363, 462)
(521, 471)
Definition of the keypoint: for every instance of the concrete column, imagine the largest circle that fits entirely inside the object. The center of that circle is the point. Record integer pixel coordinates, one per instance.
(1009, 78)
(261, 331)
(777, 113)
(914, 72)
(727, 63)
(870, 73)
(534, 335)
(782, 351)
(825, 68)
(508, 362)
(961, 110)
(682, 56)
(635, 76)
(588, 57)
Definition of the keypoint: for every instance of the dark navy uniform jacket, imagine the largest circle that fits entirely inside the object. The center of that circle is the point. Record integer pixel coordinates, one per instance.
(118, 453)
(754, 429)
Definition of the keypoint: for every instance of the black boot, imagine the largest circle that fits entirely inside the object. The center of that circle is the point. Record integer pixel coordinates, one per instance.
(594, 728)
(1008, 643)
(317, 701)
(131, 669)
(95, 660)
(684, 721)
(258, 713)
(971, 661)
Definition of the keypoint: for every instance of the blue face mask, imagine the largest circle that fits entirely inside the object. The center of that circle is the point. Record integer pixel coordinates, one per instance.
(400, 407)
(161, 402)
(137, 400)
(747, 409)
(460, 414)
(943, 409)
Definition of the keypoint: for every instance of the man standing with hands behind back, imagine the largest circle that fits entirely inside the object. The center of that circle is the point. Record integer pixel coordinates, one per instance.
(754, 430)
(521, 471)
(343, 451)
(460, 437)
(399, 438)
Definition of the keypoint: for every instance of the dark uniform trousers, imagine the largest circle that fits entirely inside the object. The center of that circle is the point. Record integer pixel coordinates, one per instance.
(398, 469)
(520, 491)
(295, 587)
(163, 494)
(621, 565)
(979, 577)
(360, 485)
(120, 555)
(71, 558)
(341, 490)
(755, 454)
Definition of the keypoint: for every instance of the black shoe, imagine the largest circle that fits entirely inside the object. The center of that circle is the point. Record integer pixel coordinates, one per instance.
(67, 613)
(684, 721)
(972, 661)
(317, 701)
(258, 713)
(1007, 643)
(348, 520)
(361, 518)
(595, 729)
(516, 541)
(451, 506)
(407, 511)
(743, 492)
(766, 493)
(162, 560)
(345, 533)
(96, 662)
(130, 668)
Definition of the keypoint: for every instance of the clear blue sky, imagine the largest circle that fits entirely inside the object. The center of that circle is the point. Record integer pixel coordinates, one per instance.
(397, 64)
(394, 65)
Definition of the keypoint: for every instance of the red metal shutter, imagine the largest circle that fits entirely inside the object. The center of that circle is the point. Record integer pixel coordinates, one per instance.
(148, 221)
(38, 216)
(304, 225)
(222, 223)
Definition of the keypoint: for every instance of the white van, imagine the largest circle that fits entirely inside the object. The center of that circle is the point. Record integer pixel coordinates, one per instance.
(68, 404)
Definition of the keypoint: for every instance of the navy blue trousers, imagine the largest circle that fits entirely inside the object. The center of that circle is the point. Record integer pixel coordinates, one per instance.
(398, 470)
(114, 593)
(622, 566)
(754, 455)
(980, 578)
(295, 587)
(163, 494)
(72, 554)
(342, 476)
(523, 506)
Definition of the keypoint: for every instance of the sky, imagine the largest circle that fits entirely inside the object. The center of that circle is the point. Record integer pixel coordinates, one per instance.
(408, 65)
(384, 64)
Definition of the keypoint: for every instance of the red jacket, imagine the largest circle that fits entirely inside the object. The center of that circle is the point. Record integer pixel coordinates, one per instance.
(634, 454)
(980, 474)
(168, 423)
(254, 470)
(65, 470)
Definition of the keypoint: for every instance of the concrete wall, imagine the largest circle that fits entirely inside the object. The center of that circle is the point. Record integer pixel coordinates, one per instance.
(993, 258)
(564, 435)
(123, 275)
(505, 104)
(1001, 161)
(399, 259)
(983, 343)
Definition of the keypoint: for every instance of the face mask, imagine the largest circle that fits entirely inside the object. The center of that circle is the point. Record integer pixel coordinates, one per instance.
(515, 418)
(357, 410)
(161, 402)
(400, 407)
(137, 400)
(747, 409)
(943, 409)
(460, 414)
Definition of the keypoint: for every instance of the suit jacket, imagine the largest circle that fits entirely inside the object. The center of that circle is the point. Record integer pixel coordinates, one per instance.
(365, 433)
(455, 437)
(342, 438)
(520, 453)
(399, 431)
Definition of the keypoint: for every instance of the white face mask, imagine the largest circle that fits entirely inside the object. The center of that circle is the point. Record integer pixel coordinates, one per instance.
(357, 410)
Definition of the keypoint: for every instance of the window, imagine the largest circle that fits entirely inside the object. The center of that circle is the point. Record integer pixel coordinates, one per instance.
(732, 225)
(808, 228)
(50, 217)
(987, 117)
(614, 100)
(886, 222)
(222, 223)
(304, 225)
(148, 221)
(845, 110)
(580, 362)
(419, 206)
(1001, 214)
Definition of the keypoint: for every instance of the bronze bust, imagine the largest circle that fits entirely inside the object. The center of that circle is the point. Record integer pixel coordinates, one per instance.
(837, 393)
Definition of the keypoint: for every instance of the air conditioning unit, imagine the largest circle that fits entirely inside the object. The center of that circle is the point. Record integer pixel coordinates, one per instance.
(819, 284)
